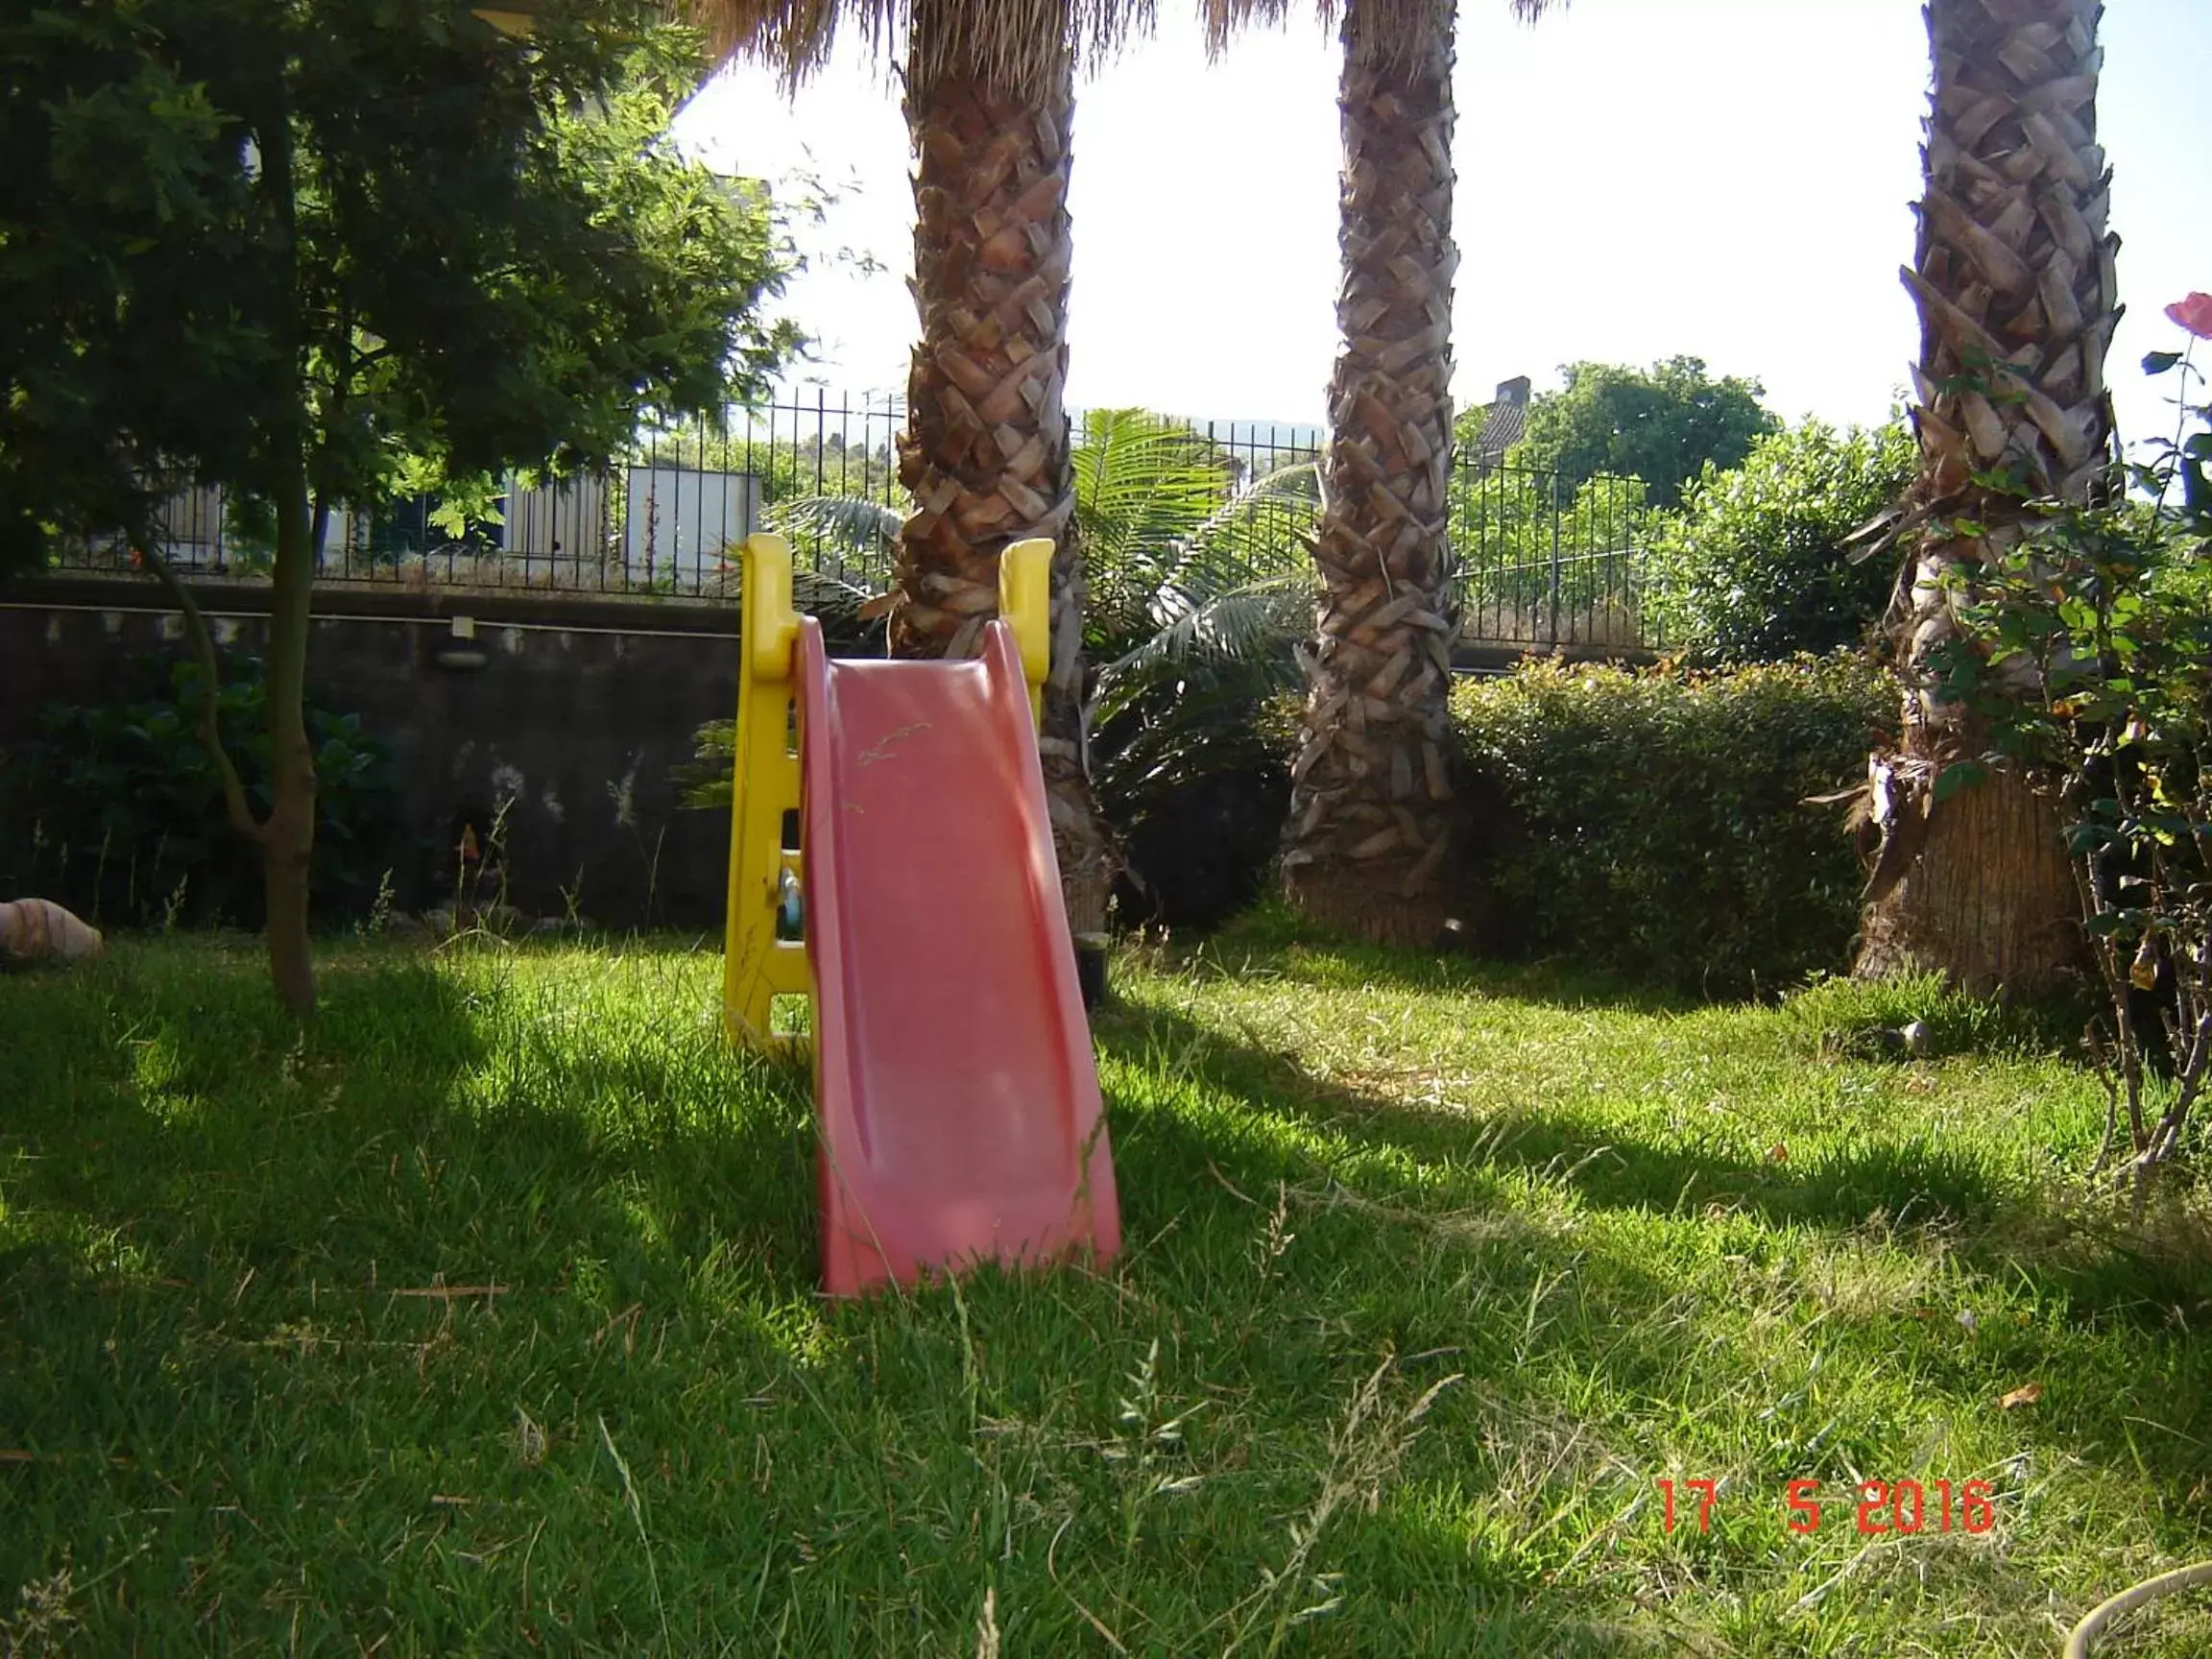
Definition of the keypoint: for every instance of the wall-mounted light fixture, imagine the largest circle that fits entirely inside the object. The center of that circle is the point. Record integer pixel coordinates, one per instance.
(459, 650)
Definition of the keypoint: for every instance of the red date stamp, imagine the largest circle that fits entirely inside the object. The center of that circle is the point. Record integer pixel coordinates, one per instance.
(1881, 1507)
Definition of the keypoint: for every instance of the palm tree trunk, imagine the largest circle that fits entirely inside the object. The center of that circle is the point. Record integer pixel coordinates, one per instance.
(1370, 812)
(2014, 281)
(986, 449)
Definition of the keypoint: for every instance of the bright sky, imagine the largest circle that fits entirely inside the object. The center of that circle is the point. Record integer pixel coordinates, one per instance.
(1730, 178)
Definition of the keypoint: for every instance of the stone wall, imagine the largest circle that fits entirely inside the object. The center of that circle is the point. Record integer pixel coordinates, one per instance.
(569, 710)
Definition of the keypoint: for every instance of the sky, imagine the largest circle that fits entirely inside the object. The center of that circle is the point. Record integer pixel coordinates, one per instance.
(1731, 179)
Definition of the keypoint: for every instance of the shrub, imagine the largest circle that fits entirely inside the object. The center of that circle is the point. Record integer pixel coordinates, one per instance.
(1195, 781)
(1657, 825)
(1752, 569)
(2086, 650)
(116, 809)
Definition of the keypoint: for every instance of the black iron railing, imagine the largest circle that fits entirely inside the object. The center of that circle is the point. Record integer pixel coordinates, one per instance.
(1541, 562)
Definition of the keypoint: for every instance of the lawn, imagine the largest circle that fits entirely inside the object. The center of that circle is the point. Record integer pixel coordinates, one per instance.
(482, 1320)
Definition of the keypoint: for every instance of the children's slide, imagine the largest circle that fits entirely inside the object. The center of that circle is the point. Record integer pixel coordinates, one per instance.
(954, 1084)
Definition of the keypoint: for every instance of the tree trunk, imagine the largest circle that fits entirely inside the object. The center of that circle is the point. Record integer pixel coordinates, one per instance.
(1369, 827)
(288, 837)
(1990, 900)
(986, 449)
(2014, 281)
(1081, 842)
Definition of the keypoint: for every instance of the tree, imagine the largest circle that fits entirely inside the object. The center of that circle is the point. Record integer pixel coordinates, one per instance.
(1662, 424)
(1755, 566)
(287, 246)
(2013, 276)
(989, 91)
(1371, 787)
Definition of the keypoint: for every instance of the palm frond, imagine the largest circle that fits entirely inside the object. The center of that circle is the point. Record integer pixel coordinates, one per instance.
(1141, 480)
(1244, 622)
(827, 593)
(1245, 637)
(1143, 486)
(1199, 725)
(1019, 47)
(1264, 529)
(854, 536)
(851, 522)
(1392, 27)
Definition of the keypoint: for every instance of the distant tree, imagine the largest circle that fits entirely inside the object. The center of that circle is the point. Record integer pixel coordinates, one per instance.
(1756, 566)
(286, 246)
(1661, 424)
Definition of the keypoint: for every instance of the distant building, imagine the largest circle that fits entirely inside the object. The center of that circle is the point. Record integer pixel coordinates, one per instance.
(1505, 418)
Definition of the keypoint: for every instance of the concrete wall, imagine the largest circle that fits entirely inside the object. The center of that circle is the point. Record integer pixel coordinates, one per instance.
(575, 717)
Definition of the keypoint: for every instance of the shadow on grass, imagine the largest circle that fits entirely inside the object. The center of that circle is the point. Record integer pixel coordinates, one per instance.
(1451, 1196)
(246, 1308)
(1289, 947)
(426, 1129)
(1895, 1181)
(1900, 1182)
(440, 1123)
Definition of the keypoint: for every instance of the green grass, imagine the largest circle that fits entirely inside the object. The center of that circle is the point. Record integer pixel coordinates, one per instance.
(1433, 1270)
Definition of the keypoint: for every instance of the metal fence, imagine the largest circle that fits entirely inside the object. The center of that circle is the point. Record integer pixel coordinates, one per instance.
(1540, 561)
(666, 519)
(1544, 562)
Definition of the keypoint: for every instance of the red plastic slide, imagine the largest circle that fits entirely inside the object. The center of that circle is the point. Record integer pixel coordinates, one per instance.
(952, 1071)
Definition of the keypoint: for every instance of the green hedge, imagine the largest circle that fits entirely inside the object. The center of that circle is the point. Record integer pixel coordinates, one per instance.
(1754, 567)
(115, 808)
(1653, 823)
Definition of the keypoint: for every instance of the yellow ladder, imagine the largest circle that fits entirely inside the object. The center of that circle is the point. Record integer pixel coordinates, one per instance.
(761, 961)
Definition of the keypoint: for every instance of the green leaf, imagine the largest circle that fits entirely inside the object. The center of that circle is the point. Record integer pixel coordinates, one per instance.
(1958, 775)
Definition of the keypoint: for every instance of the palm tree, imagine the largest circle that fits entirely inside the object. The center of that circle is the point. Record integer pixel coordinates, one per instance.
(1371, 806)
(988, 100)
(2013, 278)
(1200, 592)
